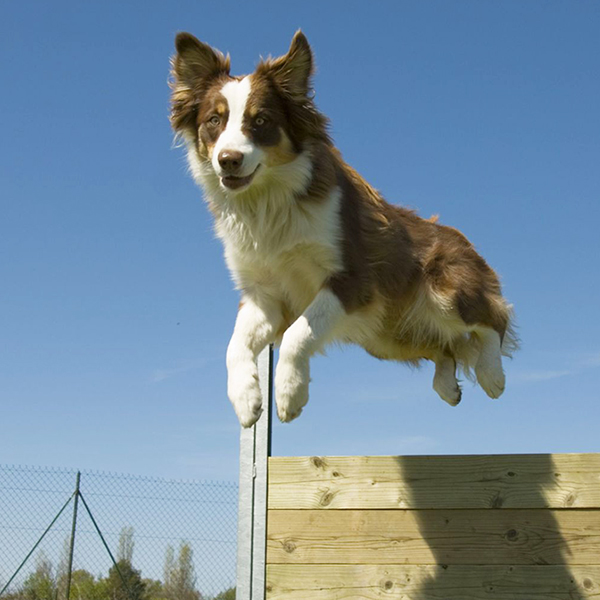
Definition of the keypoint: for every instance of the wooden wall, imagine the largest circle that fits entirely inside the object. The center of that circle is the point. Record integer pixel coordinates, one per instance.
(434, 528)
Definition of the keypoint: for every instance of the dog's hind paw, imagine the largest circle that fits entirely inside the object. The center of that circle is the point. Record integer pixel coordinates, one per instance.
(444, 381)
(492, 381)
(450, 394)
(488, 369)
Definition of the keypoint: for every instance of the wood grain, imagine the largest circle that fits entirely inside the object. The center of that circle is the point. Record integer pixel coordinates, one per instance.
(449, 537)
(505, 481)
(393, 582)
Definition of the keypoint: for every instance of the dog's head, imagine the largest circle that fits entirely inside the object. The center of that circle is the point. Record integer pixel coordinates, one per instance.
(242, 127)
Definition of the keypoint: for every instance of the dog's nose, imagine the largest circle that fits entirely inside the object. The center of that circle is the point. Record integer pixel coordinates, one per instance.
(230, 160)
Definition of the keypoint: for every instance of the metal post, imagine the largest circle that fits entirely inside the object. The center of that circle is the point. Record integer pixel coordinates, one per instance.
(115, 563)
(255, 448)
(73, 529)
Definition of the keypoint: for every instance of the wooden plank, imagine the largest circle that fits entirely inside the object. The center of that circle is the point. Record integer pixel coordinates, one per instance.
(505, 481)
(394, 582)
(450, 537)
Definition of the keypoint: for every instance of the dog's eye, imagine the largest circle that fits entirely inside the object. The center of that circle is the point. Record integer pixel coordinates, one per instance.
(214, 121)
(260, 120)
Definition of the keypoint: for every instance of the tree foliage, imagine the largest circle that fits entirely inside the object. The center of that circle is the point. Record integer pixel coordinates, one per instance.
(226, 595)
(122, 582)
(180, 575)
(126, 545)
(125, 583)
(84, 586)
(40, 585)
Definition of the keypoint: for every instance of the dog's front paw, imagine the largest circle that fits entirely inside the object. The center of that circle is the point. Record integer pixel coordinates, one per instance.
(244, 392)
(291, 388)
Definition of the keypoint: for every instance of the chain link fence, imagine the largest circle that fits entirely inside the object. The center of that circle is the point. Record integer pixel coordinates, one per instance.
(132, 538)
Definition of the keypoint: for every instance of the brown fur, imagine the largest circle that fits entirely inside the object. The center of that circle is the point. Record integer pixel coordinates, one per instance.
(290, 76)
(194, 68)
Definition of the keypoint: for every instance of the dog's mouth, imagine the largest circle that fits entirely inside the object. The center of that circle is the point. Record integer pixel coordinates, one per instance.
(236, 183)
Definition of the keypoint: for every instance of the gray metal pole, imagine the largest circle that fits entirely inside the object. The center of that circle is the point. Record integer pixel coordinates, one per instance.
(255, 448)
(73, 529)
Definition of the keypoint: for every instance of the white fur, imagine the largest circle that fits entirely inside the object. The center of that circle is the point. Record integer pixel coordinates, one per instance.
(444, 380)
(274, 245)
(278, 253)
(432, 317)
(488, 368)
(254, 328)
(236, 93)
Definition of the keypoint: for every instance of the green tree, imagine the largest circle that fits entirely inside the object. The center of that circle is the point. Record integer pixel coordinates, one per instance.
(154, 590)
(40, 585)
(62, 569)
(169, 565)
(226, 595)
(180, 575)
(84, 586)
(124, 582)
(126, 544)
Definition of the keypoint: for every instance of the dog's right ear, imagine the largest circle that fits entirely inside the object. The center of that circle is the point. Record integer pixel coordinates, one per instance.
(196, 62)
(192, 68)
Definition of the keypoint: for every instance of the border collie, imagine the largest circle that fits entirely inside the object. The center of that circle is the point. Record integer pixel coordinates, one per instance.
(318, 255)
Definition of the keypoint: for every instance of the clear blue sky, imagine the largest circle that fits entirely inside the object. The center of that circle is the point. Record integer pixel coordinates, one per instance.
(116, 306)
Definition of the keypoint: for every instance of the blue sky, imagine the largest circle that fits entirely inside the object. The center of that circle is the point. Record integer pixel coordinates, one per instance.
(117, 306)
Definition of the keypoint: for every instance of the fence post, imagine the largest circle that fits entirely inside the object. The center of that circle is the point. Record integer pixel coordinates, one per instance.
(72, 542)
(255, 448)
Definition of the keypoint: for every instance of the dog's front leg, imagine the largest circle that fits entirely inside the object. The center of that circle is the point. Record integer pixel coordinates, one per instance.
(255, 326)
(307, 335)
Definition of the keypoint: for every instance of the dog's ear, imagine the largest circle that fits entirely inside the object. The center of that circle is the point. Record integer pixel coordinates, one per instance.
(196, 62)
(192, 68)
(293, 71)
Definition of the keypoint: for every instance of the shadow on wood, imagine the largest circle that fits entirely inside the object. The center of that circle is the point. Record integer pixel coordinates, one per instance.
(500, 527)
(433, 528)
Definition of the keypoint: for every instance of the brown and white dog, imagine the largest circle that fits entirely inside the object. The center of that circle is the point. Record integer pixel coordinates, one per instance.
(318, 254)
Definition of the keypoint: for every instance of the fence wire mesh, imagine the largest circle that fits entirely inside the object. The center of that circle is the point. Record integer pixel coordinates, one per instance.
(171, 540)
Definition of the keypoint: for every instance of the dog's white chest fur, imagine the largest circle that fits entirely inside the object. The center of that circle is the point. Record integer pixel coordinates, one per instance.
(277, 245)
(282, 248)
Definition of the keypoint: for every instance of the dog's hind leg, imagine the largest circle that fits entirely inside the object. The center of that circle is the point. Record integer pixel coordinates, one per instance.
(444, 380)
(488, 367)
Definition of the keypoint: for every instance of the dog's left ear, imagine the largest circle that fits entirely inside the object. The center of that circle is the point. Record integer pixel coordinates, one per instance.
(293, 71)
(195, 61)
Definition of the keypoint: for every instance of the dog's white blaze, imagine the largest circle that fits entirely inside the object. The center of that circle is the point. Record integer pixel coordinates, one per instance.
(236, 93)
